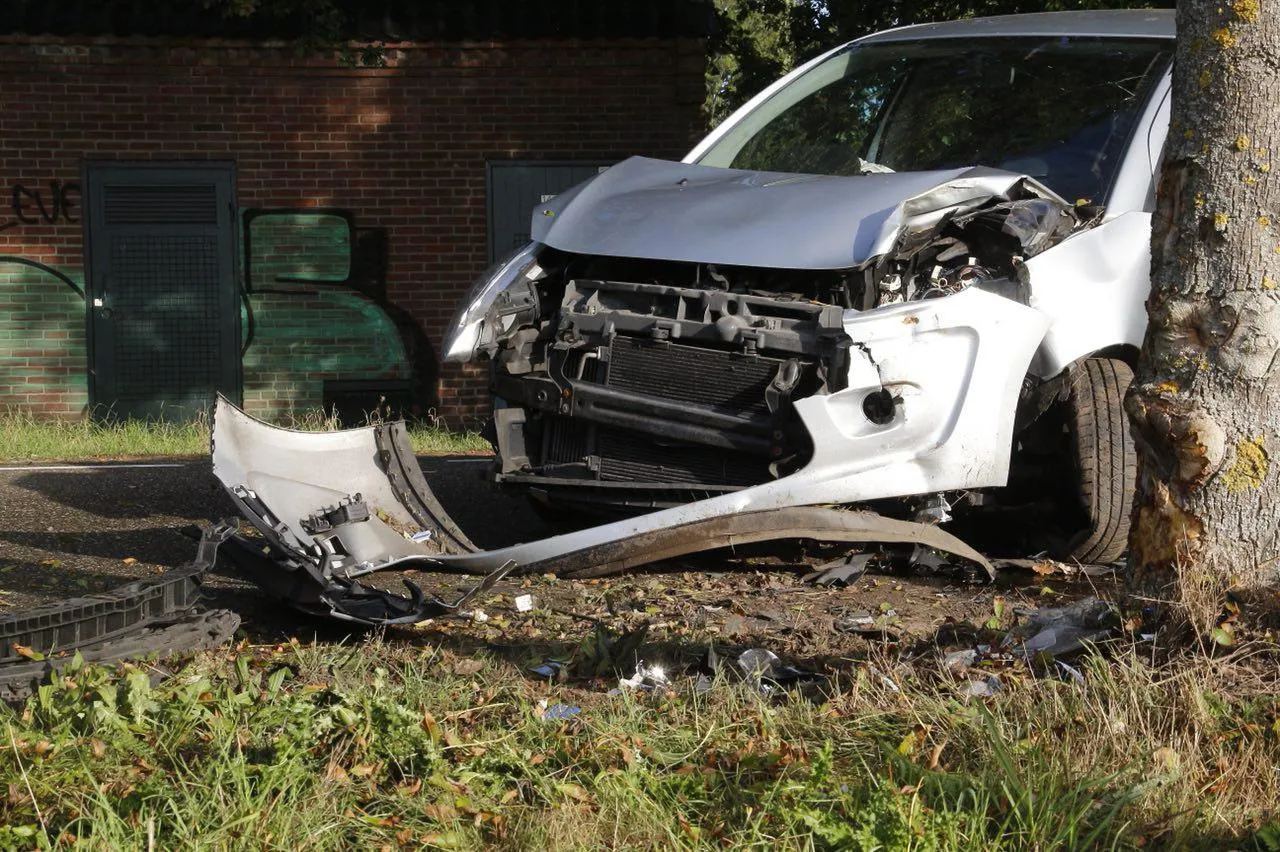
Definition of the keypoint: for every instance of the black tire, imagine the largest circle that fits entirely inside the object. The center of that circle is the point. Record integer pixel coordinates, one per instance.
(1106, 463)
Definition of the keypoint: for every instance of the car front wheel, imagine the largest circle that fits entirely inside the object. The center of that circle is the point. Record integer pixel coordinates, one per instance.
(1105, 459)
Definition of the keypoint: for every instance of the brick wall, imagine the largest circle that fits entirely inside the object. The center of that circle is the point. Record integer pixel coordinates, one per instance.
(403, 148)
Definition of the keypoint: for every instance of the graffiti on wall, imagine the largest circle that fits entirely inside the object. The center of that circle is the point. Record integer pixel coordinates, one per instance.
(34, 205)
(318, 327)
(319, 309)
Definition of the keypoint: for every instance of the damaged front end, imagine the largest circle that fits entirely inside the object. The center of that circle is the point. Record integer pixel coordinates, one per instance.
(648, 352)
(734, 404)
(325, 509)
(762, 392)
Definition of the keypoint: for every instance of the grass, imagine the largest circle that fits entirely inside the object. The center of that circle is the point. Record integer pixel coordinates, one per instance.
(24, 438)
(389, 745)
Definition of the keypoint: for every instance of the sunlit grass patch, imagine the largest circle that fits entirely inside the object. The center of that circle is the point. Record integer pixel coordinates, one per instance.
(26, 438)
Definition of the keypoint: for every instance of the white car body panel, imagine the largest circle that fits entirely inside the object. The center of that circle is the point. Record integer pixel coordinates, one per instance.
(1092, 288)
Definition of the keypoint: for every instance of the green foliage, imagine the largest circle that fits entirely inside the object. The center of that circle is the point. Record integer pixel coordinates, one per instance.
(325, 26)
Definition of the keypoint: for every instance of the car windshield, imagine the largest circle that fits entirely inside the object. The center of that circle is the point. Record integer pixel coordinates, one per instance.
(1059, 109)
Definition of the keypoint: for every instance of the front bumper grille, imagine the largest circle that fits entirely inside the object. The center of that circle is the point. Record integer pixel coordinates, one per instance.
(650, 447)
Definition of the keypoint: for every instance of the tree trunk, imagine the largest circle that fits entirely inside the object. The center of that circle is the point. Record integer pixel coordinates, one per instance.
(1205, 402)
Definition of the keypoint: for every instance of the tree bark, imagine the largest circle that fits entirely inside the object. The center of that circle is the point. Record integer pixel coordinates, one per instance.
(1205, 403)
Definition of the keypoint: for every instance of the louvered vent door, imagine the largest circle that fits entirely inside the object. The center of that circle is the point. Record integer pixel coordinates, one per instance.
(164, 318)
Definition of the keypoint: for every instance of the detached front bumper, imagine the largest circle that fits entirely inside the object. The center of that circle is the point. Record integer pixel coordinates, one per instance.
(333, 506)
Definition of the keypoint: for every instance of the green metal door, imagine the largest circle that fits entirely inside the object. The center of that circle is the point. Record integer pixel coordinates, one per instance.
(515, 187)
(162, 293)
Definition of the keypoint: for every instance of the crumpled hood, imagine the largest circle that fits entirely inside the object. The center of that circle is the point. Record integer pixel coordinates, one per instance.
(662, 210)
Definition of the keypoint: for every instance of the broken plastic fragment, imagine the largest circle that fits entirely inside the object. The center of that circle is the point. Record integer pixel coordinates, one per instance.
(924, 557)
(981, 688)
(885, 679)
(560, 712)
(550, 668)
(757, 662)
(856, 622)
(1064, 630)
(645, 678)
(843, 571)
(1074, 673)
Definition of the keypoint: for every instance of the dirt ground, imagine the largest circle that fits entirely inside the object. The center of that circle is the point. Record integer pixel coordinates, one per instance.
(68, 530)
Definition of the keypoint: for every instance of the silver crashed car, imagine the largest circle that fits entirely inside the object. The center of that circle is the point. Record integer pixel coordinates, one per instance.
(912, 270)
(907, 279)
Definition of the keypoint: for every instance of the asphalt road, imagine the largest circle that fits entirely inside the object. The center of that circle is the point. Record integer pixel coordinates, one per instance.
(68, 530)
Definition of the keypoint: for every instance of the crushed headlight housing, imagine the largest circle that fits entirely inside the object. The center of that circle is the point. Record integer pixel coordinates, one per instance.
(467, 327)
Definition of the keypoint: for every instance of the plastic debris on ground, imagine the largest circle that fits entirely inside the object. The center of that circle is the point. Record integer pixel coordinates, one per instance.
(646, 678)
(1063, 630)
(856, 622)
(885, 679)
(524, 603)
(1071, 671)
(929, 560)
(559, 712)
(841, 572)
(762, 667)
(984, 688)
(757, 662)
(550, 668)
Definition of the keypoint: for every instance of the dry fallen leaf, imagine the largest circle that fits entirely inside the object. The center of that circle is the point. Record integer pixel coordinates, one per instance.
(441, 811)
(467, 667)
(29, 653)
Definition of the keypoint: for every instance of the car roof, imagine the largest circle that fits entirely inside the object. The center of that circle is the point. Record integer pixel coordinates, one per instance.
(1132, 23)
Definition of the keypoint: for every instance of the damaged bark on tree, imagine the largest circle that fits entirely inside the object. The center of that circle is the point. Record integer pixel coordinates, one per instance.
(1205, 402)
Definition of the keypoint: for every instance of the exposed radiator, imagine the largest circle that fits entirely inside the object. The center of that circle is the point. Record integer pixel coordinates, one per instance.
(630, 457)
(724, 381)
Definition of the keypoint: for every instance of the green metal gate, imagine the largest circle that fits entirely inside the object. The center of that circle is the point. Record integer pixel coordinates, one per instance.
(515, 187)
(162, 293)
